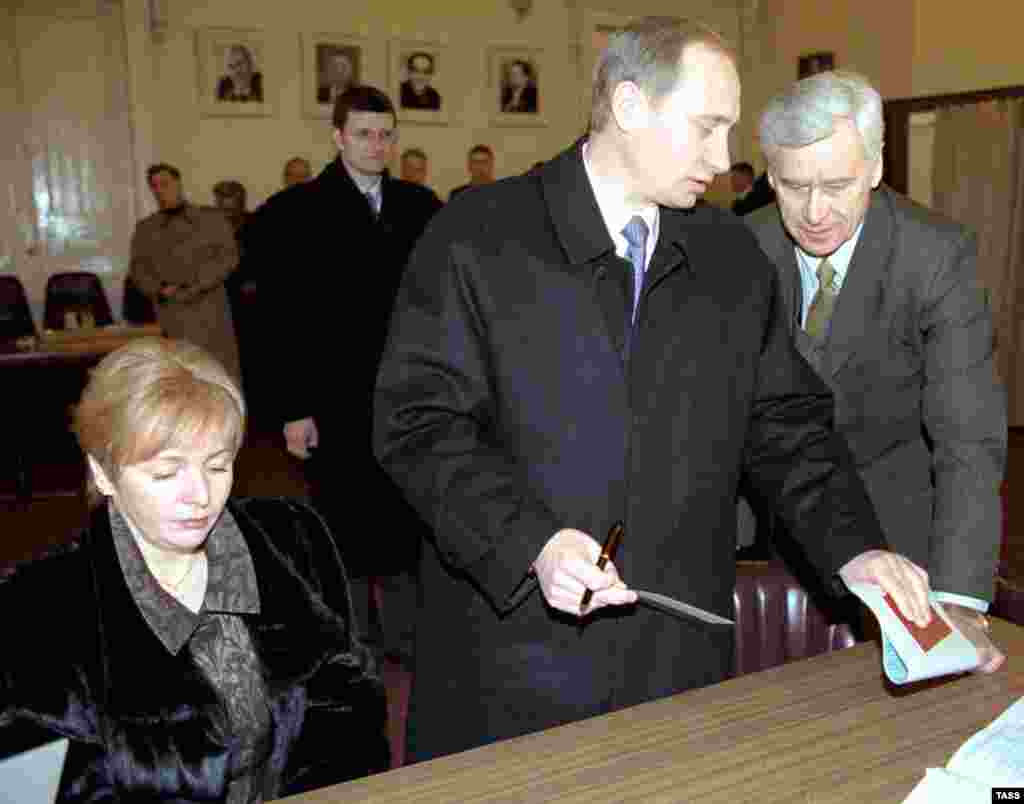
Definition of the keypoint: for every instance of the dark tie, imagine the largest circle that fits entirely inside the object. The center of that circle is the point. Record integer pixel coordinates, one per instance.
(635, 233)
(371, 197)
(824, 300)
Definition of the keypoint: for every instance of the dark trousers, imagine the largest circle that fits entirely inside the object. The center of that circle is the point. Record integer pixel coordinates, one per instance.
(382, 565)
(386, 607)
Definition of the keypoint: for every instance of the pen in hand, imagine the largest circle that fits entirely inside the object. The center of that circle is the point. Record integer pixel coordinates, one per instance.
(611, 543)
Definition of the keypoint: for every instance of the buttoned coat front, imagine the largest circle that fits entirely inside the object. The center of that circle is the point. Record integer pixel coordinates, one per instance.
(508, 406)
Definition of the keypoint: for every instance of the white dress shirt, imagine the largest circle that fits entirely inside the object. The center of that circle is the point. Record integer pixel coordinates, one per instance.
(617, 213)
(373, 185)
(808, 265)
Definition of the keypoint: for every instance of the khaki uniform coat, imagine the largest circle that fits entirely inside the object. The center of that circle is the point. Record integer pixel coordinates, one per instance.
(196, 250)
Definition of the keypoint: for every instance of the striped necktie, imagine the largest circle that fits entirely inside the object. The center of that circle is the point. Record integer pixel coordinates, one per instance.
(371, 197)
(823, 302)
(635, 233)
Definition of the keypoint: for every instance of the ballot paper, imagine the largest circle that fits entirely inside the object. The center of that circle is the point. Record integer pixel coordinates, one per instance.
(910, 653)
(990, 761)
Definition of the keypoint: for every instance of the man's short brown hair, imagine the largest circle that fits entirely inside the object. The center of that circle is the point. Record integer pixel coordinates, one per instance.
(361, 98)
(647, 52)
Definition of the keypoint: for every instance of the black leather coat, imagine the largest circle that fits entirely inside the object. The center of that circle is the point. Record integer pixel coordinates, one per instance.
(145, 725)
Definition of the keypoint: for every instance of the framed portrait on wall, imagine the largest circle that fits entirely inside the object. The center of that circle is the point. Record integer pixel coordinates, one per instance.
(331, 64)
(418, 81)
(515, 86)
(811, 63)
(234, 75)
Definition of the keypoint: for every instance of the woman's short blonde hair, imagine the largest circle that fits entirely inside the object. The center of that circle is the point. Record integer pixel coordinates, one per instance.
(154, 394)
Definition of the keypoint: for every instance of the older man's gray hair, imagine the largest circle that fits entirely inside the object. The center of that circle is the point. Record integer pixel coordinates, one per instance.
(806, 113)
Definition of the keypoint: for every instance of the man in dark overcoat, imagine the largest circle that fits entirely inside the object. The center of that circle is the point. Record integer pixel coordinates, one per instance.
(335, 316)
(907, 348)
(529, 399)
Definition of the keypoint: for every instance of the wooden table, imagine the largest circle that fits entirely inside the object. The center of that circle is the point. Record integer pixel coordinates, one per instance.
(57, 347)
(828, 729)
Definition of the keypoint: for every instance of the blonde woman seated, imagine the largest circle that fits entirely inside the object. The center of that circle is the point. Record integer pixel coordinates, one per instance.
(193, 647)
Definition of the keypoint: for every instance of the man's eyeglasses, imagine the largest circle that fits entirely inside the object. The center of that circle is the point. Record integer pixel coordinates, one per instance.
(367, 136)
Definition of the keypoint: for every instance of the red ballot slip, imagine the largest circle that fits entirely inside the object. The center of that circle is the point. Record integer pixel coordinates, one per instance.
(927, 637)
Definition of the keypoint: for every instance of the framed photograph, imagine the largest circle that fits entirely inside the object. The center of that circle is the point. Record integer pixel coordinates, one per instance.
(811, 63)
(419, 79)
(515, 86)
(233, 76)
(331, 64)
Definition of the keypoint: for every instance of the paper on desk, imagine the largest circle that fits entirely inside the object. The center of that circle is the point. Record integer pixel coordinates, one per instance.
(939, 786)
(996, 753)
(910, 653)
(991, 758)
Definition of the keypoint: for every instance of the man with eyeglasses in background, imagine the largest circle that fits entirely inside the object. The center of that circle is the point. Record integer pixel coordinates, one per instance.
(345, 239)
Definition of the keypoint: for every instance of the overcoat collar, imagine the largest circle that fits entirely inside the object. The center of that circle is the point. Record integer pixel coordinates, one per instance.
(336, 181)
(185, 211)
(580, 227)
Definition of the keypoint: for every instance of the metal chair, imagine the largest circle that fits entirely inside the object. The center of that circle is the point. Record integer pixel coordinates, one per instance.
(15, 314)
(75, 291)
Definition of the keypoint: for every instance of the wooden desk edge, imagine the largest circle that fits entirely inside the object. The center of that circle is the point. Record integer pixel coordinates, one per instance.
(534, 762)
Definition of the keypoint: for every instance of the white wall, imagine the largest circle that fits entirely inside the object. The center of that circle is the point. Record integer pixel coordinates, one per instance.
(253, 150)
(963, 47)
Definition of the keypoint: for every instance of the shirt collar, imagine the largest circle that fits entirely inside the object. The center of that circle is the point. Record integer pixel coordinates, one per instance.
(366, 184)
(184, 210)
(840, 259)
(231, 580)
(616, 213)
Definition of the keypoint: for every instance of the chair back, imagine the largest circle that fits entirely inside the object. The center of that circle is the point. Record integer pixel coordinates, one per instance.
(136, 308)
(1009, 602)
(15, 314)
(776, 620)
(75, 292)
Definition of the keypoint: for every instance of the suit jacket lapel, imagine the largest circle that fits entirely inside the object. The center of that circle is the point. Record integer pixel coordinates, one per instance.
(572, 205)
(780, 249)
(860, 298)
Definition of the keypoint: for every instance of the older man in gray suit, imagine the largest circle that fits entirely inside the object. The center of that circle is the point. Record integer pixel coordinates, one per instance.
(884, 302)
